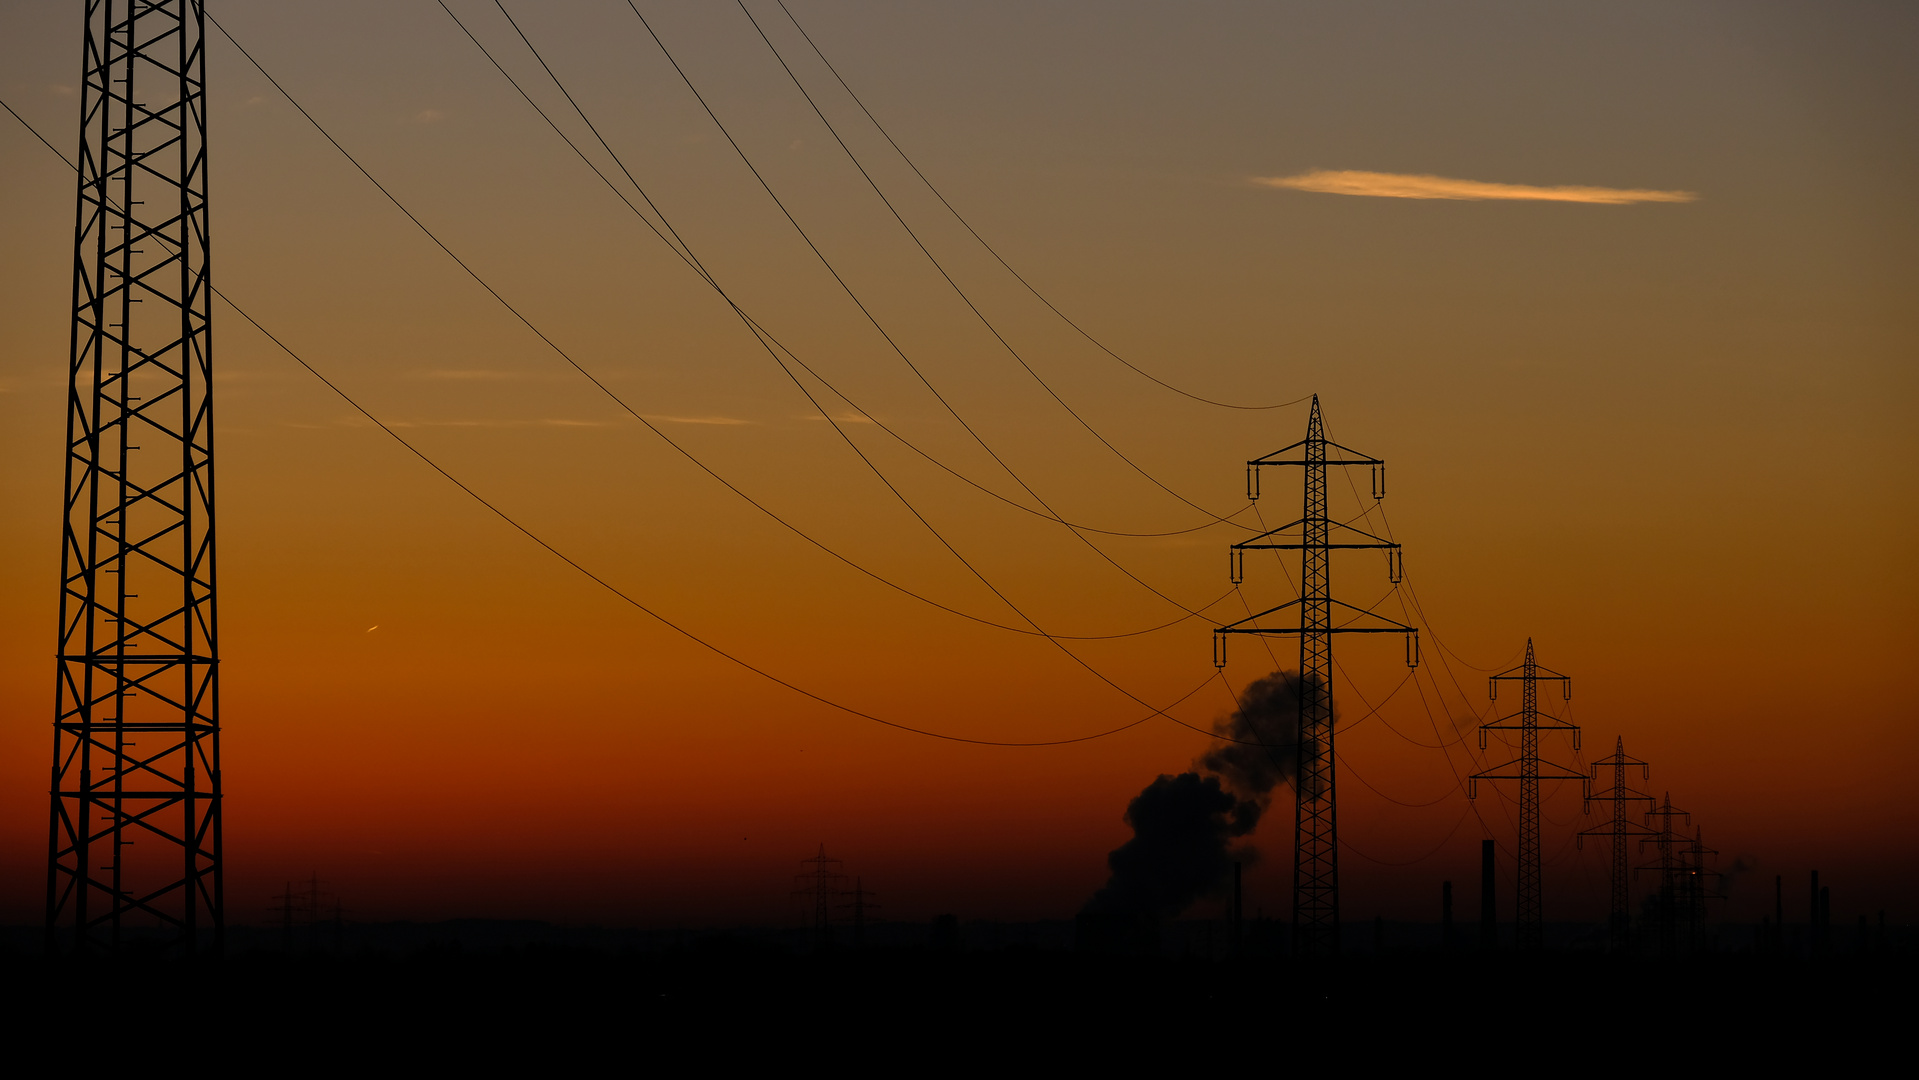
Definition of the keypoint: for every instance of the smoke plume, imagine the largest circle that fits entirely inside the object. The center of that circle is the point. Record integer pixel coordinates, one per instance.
(1184, 826)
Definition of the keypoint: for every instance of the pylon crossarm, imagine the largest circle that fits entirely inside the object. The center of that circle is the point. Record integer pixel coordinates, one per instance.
(1391, 626)
(1563, 774)
(1543, 723)
(1518, 674)
(1254, 544)
(1629, 830)
(1274, 458)
(1240, 627)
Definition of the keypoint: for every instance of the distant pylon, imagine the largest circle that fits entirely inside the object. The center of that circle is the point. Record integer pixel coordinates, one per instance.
(862, 902)
(1671, 867)
(1315, 816)
(1698, 885)
(820, 886)
(134, 832)
(1619, 829)
(1528, 916)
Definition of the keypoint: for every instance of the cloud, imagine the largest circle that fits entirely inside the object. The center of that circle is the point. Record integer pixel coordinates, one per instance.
(468, 374)
(723, 421)
(496, 423)
(1412, 186)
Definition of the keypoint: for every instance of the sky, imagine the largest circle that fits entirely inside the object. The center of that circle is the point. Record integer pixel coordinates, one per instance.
(1622, 294)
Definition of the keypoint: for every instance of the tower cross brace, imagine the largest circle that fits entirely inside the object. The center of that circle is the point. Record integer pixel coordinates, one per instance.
(1315, 537)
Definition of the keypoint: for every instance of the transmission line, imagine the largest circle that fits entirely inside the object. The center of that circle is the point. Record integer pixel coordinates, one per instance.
(650, 426)
(930, 257)
(767, 340)
(1017, 276)
(602, 582)
(841, 281)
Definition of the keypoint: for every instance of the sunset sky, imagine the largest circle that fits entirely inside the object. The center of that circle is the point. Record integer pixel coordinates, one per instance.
(1623, 293)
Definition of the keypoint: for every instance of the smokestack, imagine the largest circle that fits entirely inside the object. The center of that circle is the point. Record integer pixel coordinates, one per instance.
(1488, 904)
(1446, 913)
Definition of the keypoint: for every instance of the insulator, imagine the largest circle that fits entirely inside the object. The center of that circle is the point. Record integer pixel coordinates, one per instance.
(1395, 565)
(1412, 649)
(1236, 564)
(1252, 483)
(1566, 688)
(1219, 650)
(1379, 481)
(1472, 787)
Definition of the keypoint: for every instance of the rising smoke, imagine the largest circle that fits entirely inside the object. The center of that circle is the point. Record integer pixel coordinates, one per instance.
(1184, 826)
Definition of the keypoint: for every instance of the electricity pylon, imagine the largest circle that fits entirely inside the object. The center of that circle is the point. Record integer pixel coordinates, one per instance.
(862, 902)
(1528, 917)
(1671, 871)
(134, 836)
(820, 886)
(1619, 829)
(1315, 818)
(1694, 888)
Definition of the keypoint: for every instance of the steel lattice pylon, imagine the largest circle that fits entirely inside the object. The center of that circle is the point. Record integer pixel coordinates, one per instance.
(1672, 874)
(1315, 821)
(134, 825)
(1529, 920)
(1619, 829)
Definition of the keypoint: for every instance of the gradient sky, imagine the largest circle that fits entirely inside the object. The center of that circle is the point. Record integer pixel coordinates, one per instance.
(1670, 440)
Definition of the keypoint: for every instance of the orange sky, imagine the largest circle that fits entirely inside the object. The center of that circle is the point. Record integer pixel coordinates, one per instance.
(1668, 440)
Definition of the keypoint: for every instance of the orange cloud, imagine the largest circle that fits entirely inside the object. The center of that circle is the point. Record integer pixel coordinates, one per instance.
(1419, 186)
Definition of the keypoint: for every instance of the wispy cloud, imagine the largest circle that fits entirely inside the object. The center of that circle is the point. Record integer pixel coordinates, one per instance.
(722, 421)
(477, 374)
(845, 418)
(496, 423)
(1419, 186)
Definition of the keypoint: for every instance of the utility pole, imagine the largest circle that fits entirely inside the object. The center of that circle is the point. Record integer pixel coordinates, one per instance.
(820, 886)
(1315, 537)
(1670, 870)
(134, 831)
(1528, 915)
(1619, 829)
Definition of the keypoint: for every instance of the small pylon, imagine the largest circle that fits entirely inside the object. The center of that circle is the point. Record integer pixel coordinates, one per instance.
(1529, 923)
(820, 885)
(1671, 869)
(1619, 829)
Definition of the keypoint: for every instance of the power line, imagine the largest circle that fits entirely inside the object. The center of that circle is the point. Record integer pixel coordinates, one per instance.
(602, 582)
(677, 244)
(861, 305)
(1017, 276)
(930, 257)
(650, 426)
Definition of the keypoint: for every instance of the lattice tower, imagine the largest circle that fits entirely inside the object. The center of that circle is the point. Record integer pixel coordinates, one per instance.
(134, 826)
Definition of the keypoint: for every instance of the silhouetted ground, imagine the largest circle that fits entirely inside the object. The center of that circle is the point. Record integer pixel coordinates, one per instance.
(750, 995)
